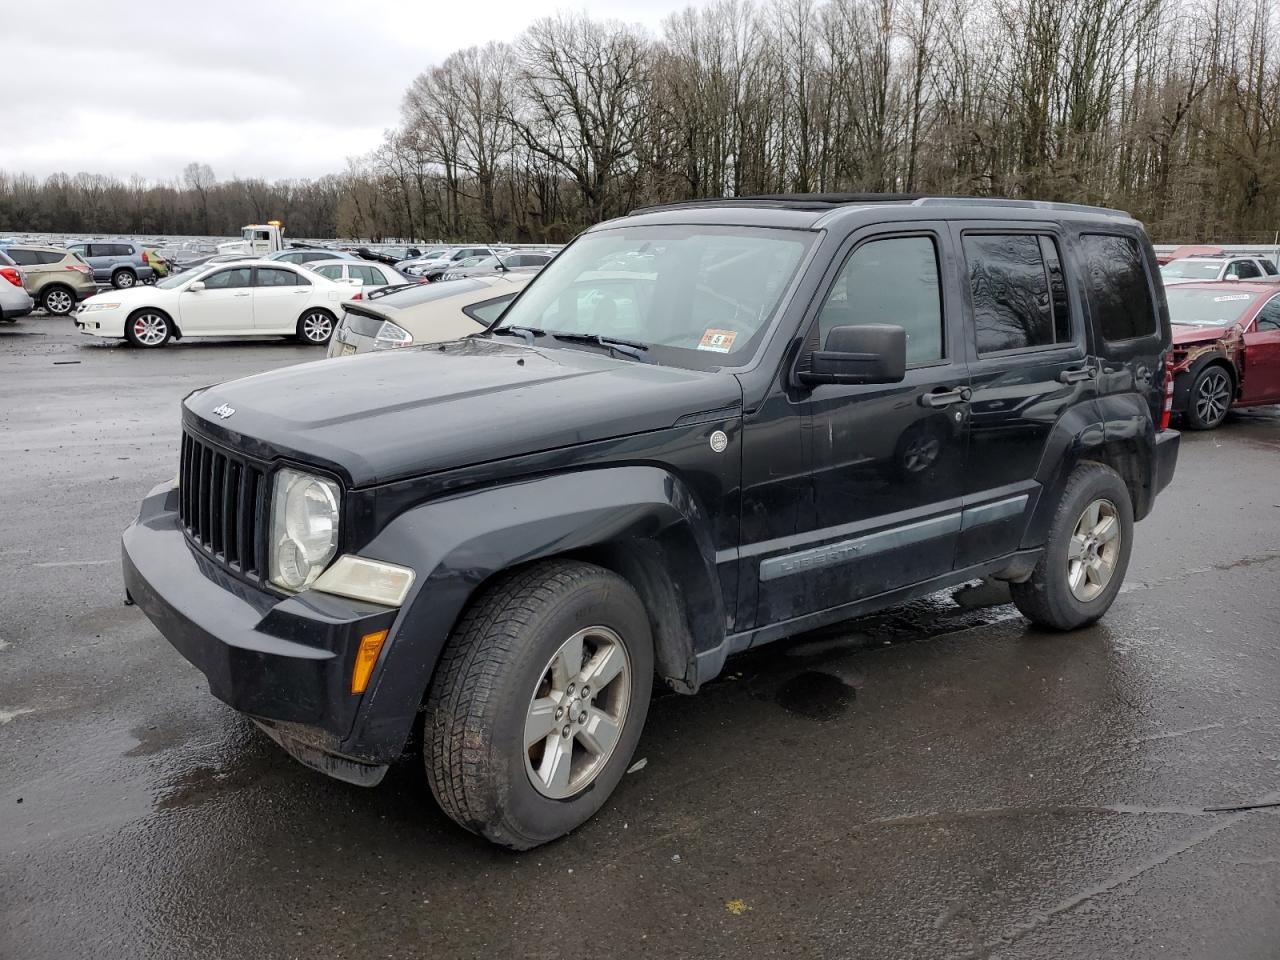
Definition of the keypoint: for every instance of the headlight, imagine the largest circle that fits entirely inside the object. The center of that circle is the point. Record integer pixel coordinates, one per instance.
(304, 528)
(90, 307)
(389, 336)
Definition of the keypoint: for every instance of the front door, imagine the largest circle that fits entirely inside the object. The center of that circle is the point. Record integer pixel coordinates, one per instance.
(279, 299)
(1261, 380)
(885, 461)
(224, 306)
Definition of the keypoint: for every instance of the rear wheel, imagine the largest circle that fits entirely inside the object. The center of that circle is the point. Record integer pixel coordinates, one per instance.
(148, 328)
(123, 279)
(1210, 398)
(315, 326)
(538, 702)
(1086, 555)
(58, 301)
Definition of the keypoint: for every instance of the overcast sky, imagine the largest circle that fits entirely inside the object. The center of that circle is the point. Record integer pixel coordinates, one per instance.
(272, 88)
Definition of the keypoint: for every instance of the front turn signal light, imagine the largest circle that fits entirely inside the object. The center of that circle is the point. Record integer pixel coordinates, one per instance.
(366, 657)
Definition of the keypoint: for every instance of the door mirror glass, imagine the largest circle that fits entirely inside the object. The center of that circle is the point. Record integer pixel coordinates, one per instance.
(196, 287)
(870, 353)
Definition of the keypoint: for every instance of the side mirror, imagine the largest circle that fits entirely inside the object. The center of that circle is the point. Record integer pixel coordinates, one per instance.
(875, 353)
(196, 287)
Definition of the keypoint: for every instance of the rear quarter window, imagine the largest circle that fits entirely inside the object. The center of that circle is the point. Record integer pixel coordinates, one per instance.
(1119, 292)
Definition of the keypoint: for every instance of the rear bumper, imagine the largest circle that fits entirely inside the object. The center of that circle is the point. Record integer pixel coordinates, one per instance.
(14, 312)
(1166, 459)
(284, 661)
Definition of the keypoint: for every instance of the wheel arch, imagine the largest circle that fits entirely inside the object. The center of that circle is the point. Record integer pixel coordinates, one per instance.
(640, 522)
(1115, 430)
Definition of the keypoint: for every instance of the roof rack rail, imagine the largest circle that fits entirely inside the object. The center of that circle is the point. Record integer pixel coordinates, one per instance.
(800, 201)
(1026, 204)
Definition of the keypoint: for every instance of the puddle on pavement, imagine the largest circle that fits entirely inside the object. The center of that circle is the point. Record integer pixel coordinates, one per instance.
(815, 696)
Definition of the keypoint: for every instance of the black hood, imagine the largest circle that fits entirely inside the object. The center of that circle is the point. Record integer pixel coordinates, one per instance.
(402, 413)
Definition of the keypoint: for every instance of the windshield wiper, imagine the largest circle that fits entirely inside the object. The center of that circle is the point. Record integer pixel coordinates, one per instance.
(628, 348)
(524, 333)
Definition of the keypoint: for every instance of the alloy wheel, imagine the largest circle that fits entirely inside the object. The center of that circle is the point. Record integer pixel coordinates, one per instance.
(577, 712)
(317, 327)
(1094, 550)
(1213, 397)
(58, 302)
(124, 281)
(150, 329)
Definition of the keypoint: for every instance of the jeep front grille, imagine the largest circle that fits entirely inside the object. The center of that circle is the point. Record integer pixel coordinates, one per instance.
(222, 505)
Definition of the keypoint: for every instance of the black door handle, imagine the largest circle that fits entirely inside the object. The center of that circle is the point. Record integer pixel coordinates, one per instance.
(1075, 376)
(943, 398)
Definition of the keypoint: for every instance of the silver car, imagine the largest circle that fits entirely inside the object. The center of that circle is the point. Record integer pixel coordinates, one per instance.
(15, 302)
(523, 261)
(424, 313)
(371, 276)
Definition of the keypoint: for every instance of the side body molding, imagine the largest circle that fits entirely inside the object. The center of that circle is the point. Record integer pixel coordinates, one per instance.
(639, 520)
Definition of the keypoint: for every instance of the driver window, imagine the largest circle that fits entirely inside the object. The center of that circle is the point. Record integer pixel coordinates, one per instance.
(1269, 316)
(228, 279)
(895, 282)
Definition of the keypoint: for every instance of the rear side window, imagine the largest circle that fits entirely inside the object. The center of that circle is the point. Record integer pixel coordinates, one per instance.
(1243, 270)
(330, 270)
(1119, 295)
(23, 258)
(276, 277)
(51, 256)
(1018, 291)
(1268, 267)
(893, 281)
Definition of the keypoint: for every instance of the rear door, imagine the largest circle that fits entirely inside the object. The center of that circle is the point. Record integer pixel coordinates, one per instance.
(1261, 367)
(1029, 361)
(224, 306)
(279, 298)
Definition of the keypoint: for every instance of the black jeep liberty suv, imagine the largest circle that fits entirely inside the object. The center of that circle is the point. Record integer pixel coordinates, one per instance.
(703, 427)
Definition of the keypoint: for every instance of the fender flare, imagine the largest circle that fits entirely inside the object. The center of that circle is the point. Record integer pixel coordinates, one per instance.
(641, 521)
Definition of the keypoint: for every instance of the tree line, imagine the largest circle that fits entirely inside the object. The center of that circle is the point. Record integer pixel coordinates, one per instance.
(1167, 108)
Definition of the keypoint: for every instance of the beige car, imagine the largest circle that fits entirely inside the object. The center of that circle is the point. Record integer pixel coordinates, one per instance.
(425, 313)
(57, 279)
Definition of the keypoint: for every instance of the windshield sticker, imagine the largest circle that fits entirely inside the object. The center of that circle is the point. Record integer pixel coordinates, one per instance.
(717, 341)
(1234, 296)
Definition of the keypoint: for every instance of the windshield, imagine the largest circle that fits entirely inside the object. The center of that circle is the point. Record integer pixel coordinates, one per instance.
(1207, 308)
(699, 296)
(174, 280)
(1192, 269)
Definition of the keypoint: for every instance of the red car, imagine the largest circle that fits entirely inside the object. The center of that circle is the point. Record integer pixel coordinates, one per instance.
(1226, 348)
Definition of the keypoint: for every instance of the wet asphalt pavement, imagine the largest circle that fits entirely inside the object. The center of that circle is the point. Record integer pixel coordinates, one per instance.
(934, 782)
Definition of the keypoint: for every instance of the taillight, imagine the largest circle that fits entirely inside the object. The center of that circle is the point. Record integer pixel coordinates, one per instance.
(359, 295)
(146, 258)
(80, 267)
(11, 275)
(1167, 413)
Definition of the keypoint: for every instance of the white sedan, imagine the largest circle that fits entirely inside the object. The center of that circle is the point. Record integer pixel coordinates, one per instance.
(248, 298)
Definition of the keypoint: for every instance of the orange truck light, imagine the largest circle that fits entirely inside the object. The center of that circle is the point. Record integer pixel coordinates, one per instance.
(366, 657)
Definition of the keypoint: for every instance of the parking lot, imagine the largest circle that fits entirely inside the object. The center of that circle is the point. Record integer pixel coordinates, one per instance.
(934, 782)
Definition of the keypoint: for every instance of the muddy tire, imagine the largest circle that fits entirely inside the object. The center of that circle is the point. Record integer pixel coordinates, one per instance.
(515, 748)
(1210, 397)
(1086, 555)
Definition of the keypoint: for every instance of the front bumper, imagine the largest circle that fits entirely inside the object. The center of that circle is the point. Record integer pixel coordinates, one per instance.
(286, 662)
(100, 323)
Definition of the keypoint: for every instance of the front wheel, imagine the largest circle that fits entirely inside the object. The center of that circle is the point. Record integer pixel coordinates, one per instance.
(148, 328)
(538, 702)
(1210, 398)
(315, 326)
(1086, 555)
